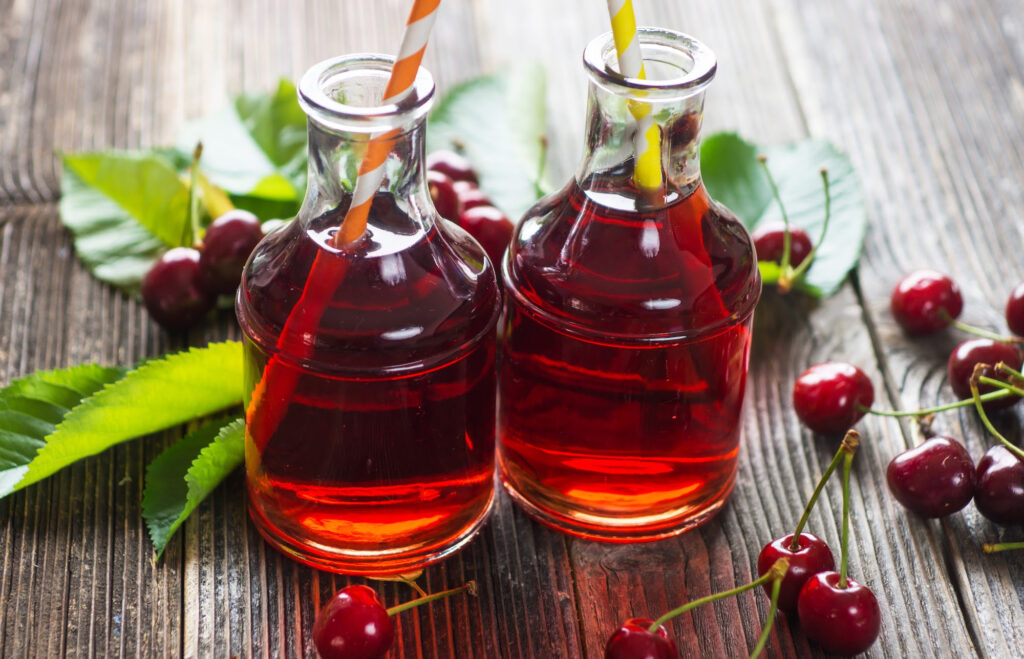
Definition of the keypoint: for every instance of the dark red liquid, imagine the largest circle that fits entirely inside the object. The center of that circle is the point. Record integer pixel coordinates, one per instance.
(370, 440)
(627, 335)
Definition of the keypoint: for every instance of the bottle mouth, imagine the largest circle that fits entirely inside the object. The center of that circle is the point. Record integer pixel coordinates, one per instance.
(676, 64)
(345, 94)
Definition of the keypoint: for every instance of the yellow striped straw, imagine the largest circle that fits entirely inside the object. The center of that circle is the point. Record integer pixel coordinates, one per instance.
(647, 139)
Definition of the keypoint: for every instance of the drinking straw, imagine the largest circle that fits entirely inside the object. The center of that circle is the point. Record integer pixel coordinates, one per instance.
(271, 394)
(403, 74)
(647, 139)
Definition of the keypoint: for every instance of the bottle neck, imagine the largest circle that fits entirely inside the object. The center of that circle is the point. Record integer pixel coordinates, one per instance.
(610, 160)
(334, 161)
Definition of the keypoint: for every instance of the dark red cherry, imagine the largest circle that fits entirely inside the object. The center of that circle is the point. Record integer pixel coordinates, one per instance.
(491, 228)
(933, 479)
(442, 193)
(812, 557)
(1015, 310)
(633, 641)
(452, 165)
(828, 397)
(173, 290)
(844, 621)
(228, 242)
(919, 300)
(769, 240)
(999, 493)
(353, 625)
(981, 351)
(470, 196)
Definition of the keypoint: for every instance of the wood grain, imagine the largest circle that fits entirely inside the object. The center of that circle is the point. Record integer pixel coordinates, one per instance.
(928, 101)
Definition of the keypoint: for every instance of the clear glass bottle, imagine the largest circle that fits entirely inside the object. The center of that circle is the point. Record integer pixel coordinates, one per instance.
(627, 320)
(370, 385)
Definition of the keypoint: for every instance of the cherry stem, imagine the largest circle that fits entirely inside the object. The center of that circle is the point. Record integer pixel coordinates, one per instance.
(848, 447)
(770, 621)
(1005, 369)
(992, 395)
(975, 378)
(776, 572)
(992, 548)
(1000, 383)
(977, 331)
(405, 606)
(542, 163)
(786, 241)
(192, 225)
(844, 542)
(802, 268)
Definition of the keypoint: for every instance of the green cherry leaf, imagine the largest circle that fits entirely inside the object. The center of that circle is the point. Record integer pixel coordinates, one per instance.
(31, 408)
(186, 472)
(499, 123)
(123, 209)
(733, 177)
(159, 394)
(255, 149)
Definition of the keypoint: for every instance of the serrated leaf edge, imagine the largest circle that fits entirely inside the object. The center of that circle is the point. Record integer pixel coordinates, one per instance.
(97, 400)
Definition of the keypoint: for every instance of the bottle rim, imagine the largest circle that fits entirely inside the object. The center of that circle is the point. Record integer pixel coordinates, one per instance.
(694, 60)
(319, 87)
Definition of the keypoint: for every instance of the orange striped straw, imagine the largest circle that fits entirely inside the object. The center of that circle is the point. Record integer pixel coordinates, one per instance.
(403, 74)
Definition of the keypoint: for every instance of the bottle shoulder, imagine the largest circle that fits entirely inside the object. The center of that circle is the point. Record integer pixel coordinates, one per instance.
(604, 262)
(409, 297)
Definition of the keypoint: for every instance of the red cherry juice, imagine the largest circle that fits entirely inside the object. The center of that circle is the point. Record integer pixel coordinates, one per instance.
(370, 441)
(627, 337)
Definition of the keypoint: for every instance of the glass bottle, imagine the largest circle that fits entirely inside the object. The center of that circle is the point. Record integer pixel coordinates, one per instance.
(369, 370)
(627, 320)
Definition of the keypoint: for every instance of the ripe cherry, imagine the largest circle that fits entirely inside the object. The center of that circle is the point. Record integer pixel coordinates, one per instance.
(491, 228)
(1015, 310)
(965, 356)
(470, 196)
(353, 625)
(228, 242)
(633, 641)
(831, 397)
(999, 494)
(442, 193)
(173, 291)
(933, 479)
(811, 557)
(925, 301)
(844, 620)
(769, 240)
(452, 165)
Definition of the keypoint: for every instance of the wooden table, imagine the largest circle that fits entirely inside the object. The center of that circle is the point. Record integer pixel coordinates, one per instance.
(927, 98)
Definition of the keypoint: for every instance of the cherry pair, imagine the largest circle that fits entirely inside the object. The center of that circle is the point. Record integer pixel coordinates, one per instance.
(788, 246)
(453, 189)
(798, 570)
(838, 613)
(183, 285)
(354, 624)
(938, 477)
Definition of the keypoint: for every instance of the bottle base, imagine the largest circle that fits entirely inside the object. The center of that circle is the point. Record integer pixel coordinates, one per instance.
(398, 560)
(615, 529)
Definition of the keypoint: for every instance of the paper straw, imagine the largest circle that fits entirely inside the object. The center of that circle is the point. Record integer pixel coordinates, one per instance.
(403, 75)
(272, 393)
(647, 139)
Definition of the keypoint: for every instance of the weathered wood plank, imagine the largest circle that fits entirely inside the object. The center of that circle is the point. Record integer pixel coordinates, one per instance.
(933, 117)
